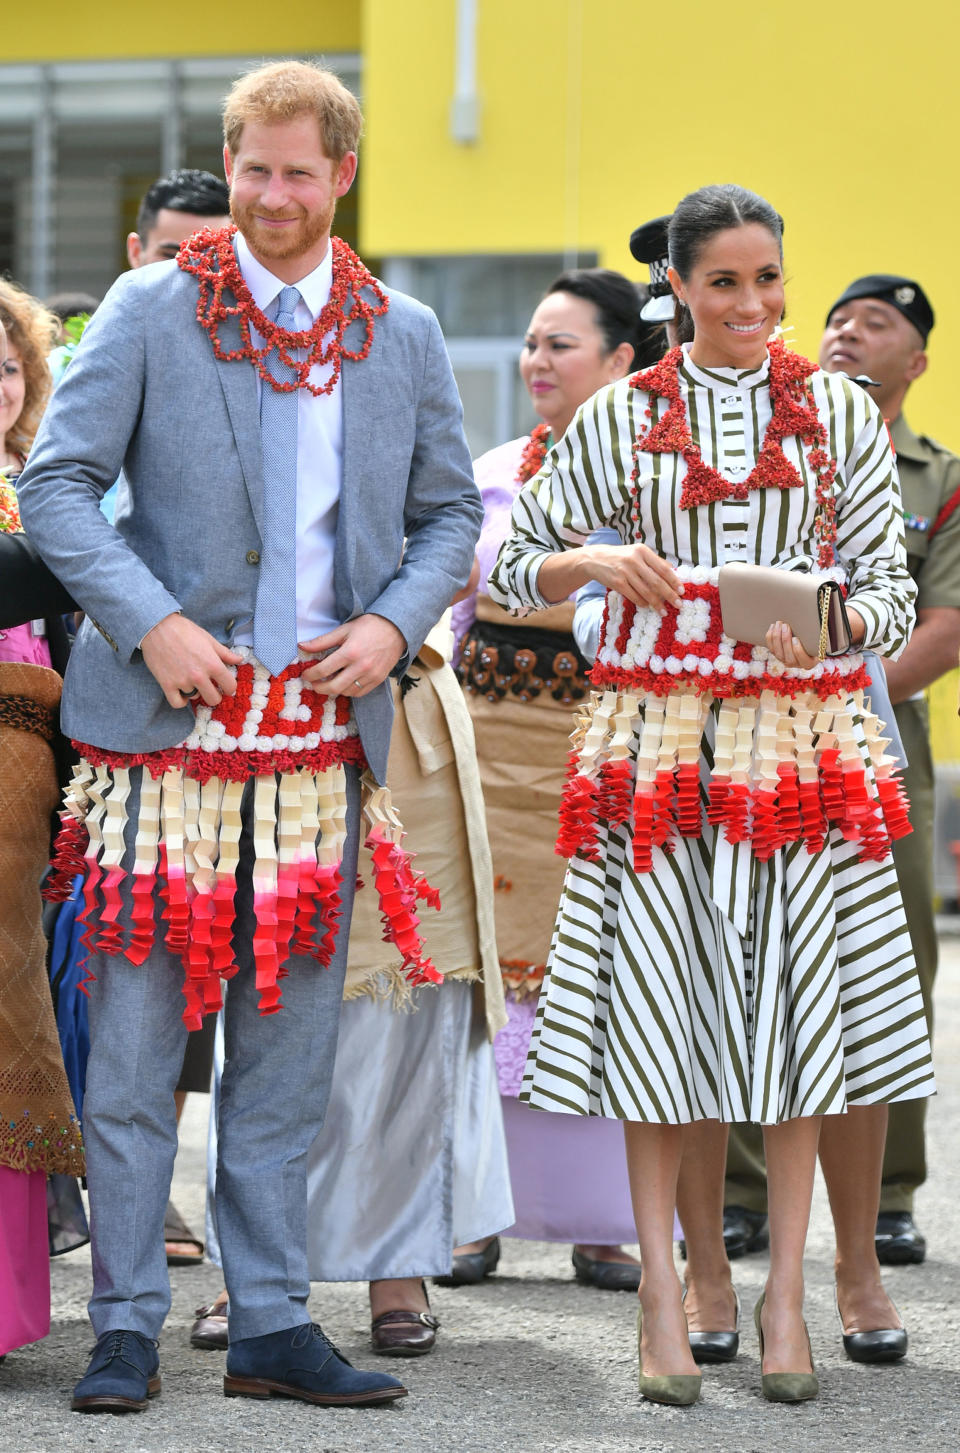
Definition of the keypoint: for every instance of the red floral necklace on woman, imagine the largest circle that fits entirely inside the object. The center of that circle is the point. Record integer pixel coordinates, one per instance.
(209, 255)
(794, 414)
(534, 453)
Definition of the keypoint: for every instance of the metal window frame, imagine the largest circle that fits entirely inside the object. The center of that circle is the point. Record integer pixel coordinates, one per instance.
(44, 97)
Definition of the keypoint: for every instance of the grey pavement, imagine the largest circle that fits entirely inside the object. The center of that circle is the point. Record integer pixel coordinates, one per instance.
(530, 1360)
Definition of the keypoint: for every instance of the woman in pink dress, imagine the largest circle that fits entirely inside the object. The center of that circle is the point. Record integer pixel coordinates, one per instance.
(39, 1130)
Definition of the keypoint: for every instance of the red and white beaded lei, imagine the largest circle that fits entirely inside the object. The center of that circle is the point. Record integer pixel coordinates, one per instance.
(294, 744)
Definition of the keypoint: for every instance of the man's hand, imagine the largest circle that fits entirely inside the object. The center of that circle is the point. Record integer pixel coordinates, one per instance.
(187, 661)
(357, 656)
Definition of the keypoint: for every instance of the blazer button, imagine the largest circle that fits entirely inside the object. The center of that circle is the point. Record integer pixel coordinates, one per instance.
(253, 557)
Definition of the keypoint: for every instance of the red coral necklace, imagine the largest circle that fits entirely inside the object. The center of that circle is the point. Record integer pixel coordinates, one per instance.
(794, 414)
(210, 256)
(534, 453)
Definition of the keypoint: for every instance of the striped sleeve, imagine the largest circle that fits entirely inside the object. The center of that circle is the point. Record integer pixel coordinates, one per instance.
(870, 539)
(584, 481)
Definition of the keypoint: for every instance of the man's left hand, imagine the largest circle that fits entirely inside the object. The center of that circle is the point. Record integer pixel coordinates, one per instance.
(357, 656)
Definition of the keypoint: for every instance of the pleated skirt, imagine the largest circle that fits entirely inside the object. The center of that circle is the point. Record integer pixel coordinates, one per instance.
(719, 987)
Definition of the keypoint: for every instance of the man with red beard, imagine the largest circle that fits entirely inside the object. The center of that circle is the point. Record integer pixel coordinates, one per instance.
(300, 510)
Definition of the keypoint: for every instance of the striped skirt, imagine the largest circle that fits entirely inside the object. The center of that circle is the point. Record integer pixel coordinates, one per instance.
(720, 986)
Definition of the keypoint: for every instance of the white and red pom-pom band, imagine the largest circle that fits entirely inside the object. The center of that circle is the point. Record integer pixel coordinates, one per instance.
(643, 648)
(794, 755)
(293, 744)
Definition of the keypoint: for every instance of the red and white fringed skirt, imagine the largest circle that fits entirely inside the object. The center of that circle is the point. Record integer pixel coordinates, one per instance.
(792, 753)
(293, 744)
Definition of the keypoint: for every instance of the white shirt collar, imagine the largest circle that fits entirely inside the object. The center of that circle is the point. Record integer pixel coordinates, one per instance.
(314, 289)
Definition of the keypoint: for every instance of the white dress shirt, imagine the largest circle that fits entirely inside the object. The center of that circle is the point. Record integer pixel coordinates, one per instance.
(319, 452)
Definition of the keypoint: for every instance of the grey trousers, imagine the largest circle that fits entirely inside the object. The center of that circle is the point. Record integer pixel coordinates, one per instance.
(276, 1082)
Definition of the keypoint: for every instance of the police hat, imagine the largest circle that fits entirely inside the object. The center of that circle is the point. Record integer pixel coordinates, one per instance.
(649, 244)
(901, 293)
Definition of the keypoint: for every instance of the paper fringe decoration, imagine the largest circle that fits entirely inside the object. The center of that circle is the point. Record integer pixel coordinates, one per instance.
(186, 855)
(786, 768)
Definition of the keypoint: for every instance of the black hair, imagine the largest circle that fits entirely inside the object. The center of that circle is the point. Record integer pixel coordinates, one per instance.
(699, 217)
(617, 300)
(184, 190)
(71, 305)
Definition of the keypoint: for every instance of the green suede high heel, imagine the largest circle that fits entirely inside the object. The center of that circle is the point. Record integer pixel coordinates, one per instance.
(785, 1387)
(679, 1390)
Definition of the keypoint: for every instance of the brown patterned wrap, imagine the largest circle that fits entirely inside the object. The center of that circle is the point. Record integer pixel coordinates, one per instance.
(502, 657)
(38, 1126)
(521, 681)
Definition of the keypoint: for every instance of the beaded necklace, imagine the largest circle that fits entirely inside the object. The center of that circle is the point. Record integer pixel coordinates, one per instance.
(534, 453)
(210, 256)
(794, 413)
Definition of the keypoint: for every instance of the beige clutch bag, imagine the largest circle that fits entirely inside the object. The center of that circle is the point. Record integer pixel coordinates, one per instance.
(752, 597)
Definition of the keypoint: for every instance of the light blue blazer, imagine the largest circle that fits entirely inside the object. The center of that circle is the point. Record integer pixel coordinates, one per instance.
(145, 393)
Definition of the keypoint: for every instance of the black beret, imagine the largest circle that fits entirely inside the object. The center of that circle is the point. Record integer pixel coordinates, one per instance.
(902, 293)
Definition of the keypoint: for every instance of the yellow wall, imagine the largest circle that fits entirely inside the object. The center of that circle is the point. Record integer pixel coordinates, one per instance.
(126, 29)
(845, 117)
(595, 118)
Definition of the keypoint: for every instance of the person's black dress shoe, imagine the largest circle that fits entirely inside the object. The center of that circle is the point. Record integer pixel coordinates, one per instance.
(744, 1231)
(468, 1270)
(898, 1241)
(886, 1344)
(609, 1276)
(715, 1346)
(124, 1373)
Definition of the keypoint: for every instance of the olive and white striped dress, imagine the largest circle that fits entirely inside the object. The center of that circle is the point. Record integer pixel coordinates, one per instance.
(720, 984)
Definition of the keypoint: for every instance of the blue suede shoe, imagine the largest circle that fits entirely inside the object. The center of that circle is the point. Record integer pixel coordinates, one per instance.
(300, 1362)
(124, 1373)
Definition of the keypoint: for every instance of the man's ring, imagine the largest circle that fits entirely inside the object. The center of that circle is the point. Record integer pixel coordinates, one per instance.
(189, 695)
(357, 683)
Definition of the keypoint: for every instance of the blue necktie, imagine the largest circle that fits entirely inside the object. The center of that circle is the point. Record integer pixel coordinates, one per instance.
(275, 613)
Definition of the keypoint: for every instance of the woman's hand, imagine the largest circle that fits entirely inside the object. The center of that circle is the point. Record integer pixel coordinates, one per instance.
(635, 572)
(782, 643)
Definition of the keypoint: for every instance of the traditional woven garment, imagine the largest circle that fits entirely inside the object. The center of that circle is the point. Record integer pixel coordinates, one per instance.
(293, 745)
(793, 753)
(38, 1127)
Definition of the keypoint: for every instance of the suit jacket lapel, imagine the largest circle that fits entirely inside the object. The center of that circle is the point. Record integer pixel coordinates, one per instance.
(360, 383)
(239, 383)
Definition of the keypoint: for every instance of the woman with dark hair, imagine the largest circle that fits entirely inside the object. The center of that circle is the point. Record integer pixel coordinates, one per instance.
(730, 943)
(569, 1177)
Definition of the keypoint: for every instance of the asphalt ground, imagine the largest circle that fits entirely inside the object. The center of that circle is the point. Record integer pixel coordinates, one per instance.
(530, 1360)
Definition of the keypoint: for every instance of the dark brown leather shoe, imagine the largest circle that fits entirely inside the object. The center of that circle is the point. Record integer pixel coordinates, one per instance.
(404, 1334)
(209, 1331)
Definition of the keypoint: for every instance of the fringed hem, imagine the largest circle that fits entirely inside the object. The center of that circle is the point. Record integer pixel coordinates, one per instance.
(30, 1145)
(186, 854)
(786, 768)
